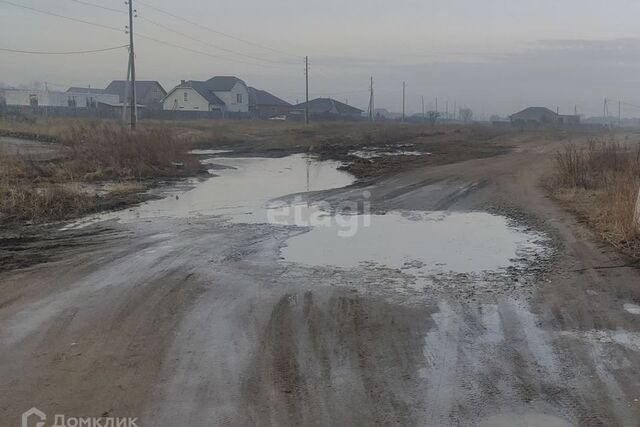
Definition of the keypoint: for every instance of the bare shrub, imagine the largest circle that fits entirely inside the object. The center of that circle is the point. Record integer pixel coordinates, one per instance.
(572, 168)
(610, 173)
(110, 151)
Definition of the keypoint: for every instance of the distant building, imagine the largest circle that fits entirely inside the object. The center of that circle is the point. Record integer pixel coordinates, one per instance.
(47, 98)
(541, 116)
(86, 90)
(226, 94)
(383, 113)
(327, 108)
(264, 105)
(149, 93)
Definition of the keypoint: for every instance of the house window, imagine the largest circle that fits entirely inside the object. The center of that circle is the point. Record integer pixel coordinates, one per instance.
(239, 98)
(186, 97)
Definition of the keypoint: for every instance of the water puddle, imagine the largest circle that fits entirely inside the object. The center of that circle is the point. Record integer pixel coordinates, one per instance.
(242, 189)
(209, 152)
(424, 245)
(374, 153)
(632, 308)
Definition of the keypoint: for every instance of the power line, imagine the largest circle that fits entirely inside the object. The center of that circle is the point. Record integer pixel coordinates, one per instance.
(207, 43)
(188, 49)
(110, 9)
(176, 46)
(75, 52)
(167, 28)
(107, 27)
(214, 31)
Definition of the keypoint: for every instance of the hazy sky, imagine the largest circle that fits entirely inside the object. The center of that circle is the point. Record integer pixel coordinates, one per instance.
(495, 56)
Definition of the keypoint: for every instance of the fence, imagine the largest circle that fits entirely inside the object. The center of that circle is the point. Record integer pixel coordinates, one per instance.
(115, 113)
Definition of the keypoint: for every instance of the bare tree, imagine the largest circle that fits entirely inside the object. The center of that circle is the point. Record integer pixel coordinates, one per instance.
(466, 114)
(433, 117)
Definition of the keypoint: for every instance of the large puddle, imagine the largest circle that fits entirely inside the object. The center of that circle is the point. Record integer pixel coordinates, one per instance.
(423, 245)
(427, 246)
(242, 189)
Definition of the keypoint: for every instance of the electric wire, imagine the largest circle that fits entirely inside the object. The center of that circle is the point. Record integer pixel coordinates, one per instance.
(74, 52)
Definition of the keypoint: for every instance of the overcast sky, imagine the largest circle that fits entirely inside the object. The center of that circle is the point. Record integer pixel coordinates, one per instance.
(495, 56)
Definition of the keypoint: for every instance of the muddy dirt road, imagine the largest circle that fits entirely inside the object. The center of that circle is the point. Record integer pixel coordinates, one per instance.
(187, 319)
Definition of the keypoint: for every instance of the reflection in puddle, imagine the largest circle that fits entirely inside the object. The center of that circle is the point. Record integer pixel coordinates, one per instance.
(632, 308)
(208, 152)
(371, 154)
(241, 189)
(421, 244)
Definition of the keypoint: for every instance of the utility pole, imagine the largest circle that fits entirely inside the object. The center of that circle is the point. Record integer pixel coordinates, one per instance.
(455, 110)
(619, 113)
(446, 115)
(132, 61)
(423, 117)
(371, 104)
(575, 110)
(126, 92)
(404, 98)
(306, 75)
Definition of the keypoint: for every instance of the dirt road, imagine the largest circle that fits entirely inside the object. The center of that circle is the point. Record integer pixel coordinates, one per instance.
(198, 322)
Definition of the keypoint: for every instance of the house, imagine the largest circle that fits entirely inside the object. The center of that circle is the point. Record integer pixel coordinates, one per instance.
(327, 108)
(149, 93)
(86, 90)
(541, 116)
(226, 94)
(47, 98)
(264, 105)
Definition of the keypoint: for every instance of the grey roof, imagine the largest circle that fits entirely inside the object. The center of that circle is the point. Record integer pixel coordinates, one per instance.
(223, 83)
(76, 89)
(203, 90)
(329, 106)
(535, 111)
(117, 87)
(262, 97)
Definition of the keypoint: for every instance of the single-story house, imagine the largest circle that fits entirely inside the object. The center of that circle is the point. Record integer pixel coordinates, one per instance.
(265, 105)
(48, 98)
(87, 90)
(226, 94)
(327, 108)
(149, 93)
(541, 116)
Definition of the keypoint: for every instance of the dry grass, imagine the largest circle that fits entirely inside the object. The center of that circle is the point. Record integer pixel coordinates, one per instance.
(92, 151)
(601, 183)
(41, 191)
(107, 151)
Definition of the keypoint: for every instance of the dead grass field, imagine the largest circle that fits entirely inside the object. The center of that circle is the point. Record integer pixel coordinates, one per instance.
(90, 153)
(104, 152)
(600, 183)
